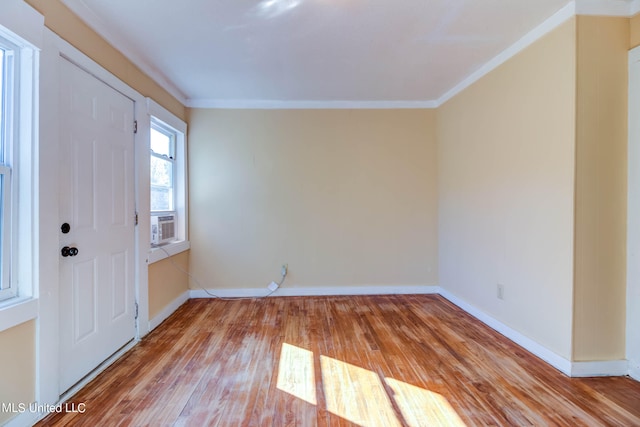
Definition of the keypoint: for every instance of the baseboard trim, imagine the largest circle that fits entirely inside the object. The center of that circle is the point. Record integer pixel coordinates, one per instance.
(558, 362)
(604, 368)
(315, 291)
(229, 293)
(169, 310)
(634, 371)
(358, 290)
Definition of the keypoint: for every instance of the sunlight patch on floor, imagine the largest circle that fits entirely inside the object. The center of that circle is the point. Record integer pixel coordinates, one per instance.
(359, 395)
(356, 394)
(422, 407)
(296, 375)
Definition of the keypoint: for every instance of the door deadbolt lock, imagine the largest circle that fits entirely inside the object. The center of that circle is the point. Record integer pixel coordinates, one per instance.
(65, 228)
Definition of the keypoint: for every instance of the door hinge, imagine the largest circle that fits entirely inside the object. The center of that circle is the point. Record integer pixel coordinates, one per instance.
(136, 318)
(136, 218)
(135, 126)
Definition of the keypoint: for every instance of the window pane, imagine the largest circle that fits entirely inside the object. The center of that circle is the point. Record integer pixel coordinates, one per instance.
(161, 172)
(161, 199)
(161, 184)
(161, 143)
(3, 283)
(6, 287)
(1, 97)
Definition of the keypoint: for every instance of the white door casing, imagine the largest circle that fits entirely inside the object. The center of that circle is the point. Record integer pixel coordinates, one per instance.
(633, 218)
(97, 200)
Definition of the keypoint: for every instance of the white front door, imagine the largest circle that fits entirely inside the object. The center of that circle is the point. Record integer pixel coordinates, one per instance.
(97, 294)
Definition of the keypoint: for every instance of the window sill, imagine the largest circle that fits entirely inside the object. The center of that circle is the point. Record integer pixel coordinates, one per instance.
(157, 254)
(16, 311)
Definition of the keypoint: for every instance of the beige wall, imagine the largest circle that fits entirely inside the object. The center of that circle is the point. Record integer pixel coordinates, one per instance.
(345, 197)
(167, 282)
(506, 174)
(601, 189)
(63, 22)
(634, 31)
(17, 356)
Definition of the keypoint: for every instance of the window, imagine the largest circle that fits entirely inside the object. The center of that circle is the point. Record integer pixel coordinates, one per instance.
(167, 182)
(162, 143)
(18, 179)
(8, 54)
(21, 31)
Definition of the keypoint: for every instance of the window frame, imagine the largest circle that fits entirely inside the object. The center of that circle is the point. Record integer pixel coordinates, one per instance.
(22, 28)
(8, 90)
(160, 114)
(17, 146)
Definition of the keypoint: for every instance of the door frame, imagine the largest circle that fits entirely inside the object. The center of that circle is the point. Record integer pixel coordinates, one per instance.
(47, 338)
(633, 218)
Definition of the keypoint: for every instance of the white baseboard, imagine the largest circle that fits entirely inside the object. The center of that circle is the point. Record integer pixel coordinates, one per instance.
(168, 310)
(229, 293)
(357, 290)
(605, 368)
(315, 291)
(558, 362)
(634, 370)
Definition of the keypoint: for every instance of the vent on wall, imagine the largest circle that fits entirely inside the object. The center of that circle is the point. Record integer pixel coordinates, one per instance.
(163, 228)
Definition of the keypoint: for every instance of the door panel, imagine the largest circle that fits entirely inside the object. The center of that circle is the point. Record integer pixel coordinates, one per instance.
(119, 208)
(97, 294)
(84, 184)
(85, 302)
(119, 269)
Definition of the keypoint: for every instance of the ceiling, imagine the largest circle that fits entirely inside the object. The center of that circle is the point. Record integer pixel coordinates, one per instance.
(260, 52)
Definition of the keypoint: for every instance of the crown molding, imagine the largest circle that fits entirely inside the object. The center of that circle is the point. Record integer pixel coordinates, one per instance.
(122, 45)
(260, 104)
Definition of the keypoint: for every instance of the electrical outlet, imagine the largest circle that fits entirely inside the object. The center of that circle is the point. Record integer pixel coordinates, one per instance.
(272, 286)
(500, 289)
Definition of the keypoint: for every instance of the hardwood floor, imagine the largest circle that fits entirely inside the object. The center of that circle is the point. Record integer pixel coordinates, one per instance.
(412, 360)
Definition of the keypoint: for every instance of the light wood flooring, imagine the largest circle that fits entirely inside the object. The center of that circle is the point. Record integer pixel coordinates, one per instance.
(401, 360)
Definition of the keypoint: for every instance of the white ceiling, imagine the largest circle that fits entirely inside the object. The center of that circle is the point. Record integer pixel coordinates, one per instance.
(257, 52)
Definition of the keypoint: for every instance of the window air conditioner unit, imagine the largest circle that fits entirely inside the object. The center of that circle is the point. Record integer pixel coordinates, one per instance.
(163, 228)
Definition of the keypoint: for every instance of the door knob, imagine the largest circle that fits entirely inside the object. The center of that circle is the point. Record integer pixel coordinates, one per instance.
(69, 251)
